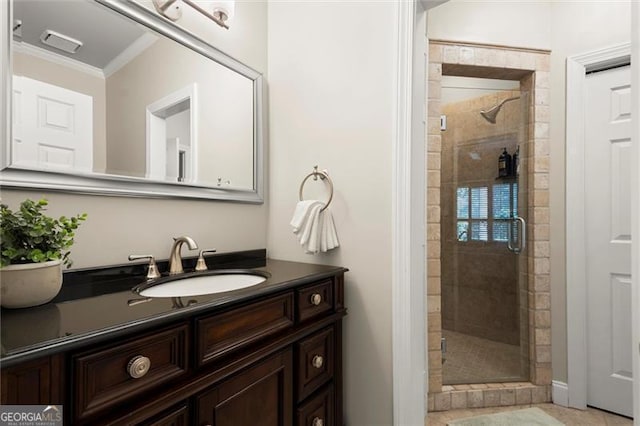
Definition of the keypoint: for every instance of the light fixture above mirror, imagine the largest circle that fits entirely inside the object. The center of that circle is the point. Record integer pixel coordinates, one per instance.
(220, 11)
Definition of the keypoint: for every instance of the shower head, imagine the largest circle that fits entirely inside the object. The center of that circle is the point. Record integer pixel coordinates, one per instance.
(492, 113)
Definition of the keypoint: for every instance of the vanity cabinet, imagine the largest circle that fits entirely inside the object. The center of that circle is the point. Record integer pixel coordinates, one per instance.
(272, 359)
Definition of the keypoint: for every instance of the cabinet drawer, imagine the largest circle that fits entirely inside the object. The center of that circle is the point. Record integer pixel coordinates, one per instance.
(318, 411)
(106, 377)
(315, 300)
(220, 334)
(315, 362)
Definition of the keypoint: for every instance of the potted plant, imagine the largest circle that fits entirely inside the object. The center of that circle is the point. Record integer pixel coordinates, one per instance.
(33, 247)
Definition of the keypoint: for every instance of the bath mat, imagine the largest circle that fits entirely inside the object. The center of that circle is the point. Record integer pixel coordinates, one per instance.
(525, 417)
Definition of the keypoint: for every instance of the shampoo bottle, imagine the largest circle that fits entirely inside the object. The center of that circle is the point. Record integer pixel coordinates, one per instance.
(504, 163)
(516, 162)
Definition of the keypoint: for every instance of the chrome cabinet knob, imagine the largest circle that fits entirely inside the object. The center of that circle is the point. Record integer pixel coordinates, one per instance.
(317, 421)
(317, 361)
(138, 366)
(316, 299)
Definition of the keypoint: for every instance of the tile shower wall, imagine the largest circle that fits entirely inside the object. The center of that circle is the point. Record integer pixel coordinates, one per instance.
(532, 68)
(480, 294)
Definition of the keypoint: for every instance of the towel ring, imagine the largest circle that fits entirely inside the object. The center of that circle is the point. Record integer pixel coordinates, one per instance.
(323, 176)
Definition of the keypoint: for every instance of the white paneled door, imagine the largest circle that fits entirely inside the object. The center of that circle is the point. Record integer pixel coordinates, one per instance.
(608, 240)
(52, 127)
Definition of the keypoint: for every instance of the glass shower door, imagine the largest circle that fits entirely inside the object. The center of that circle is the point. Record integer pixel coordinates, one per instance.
(483, 225)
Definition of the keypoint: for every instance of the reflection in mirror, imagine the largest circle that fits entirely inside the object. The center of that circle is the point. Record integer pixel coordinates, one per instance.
(97, 93)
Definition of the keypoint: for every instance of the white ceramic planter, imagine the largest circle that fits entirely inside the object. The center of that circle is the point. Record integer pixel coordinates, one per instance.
(30, 284)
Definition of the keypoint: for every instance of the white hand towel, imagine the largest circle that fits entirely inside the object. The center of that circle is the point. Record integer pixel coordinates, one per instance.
(313, 245)
(324, 231)
(328, 237)
(301, 214)
(314, 227)
(332, 235)
(306, 230)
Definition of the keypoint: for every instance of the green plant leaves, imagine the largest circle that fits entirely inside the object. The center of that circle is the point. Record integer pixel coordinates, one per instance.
(30, 236)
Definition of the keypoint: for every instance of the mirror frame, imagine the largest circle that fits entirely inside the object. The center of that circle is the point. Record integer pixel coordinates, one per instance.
(21, 178)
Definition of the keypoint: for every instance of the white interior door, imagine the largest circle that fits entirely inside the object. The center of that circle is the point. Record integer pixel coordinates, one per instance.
(172, 159)
(52, 127)
(608, 240)
(171, 139)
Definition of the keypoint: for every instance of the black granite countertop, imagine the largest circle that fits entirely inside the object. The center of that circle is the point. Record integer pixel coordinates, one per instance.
(98, 304)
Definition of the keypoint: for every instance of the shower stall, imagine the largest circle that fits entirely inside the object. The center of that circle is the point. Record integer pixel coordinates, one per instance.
(483, 199)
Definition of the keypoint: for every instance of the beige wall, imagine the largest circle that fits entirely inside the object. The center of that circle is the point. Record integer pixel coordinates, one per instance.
(542, 24)
(118, 226)
(69, 78)
(594, 25)
(519, 23)
(331, 105)
(224, 103)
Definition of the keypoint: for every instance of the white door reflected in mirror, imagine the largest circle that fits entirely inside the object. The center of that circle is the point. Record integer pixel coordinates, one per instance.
(52, 127)
(172, 137)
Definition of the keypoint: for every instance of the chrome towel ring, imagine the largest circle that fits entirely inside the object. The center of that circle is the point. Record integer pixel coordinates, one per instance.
(323, 175)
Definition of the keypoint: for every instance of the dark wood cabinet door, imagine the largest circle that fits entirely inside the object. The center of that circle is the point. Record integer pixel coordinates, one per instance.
(262, 395)
(36, 382)
(178, 416)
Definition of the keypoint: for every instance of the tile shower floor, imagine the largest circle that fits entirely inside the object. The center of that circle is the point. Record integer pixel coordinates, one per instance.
(471, 359)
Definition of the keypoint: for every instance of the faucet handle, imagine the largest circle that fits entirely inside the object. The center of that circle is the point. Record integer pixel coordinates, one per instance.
(201, 265)
(153, 272)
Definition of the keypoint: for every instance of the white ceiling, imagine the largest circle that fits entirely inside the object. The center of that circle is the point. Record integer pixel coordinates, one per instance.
(104, 34)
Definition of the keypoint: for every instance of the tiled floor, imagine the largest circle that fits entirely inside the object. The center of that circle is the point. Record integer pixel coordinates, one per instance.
(471, 359)
(568, 416)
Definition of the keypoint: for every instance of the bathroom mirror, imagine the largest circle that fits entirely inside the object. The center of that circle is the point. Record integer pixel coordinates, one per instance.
(107, 97)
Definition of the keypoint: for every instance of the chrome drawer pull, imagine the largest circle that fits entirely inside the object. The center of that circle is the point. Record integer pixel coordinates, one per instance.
(316, 299)
(317, 421)
(317, 361)
(138, 366)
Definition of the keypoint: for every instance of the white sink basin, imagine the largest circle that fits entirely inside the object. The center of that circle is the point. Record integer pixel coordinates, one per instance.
(197, 285)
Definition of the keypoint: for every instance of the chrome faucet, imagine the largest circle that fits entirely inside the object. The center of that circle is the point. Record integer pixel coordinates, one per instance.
(175, 257)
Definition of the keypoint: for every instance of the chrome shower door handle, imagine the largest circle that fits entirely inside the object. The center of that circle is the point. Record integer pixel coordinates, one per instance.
(522, 235)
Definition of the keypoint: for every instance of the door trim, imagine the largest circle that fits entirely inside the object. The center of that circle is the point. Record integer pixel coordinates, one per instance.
(577, 66)
(408, 330)
(409, 186)
(635, 206)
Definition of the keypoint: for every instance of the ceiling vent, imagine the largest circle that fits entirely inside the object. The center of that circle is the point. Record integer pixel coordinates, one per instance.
(60, 41)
